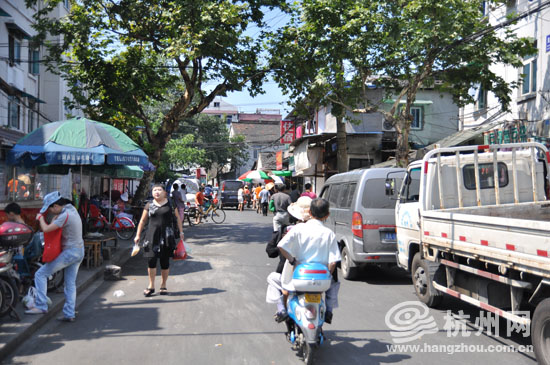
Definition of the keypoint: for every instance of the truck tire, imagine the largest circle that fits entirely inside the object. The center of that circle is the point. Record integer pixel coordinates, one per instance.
(349, 271)
(422, 281)
(540, 332)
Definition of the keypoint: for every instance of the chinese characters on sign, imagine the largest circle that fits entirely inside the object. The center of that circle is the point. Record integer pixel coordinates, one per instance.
(287, 131)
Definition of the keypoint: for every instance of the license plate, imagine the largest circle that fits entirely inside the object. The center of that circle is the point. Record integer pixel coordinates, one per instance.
(233, 197)
(313, 298)
(390, 237)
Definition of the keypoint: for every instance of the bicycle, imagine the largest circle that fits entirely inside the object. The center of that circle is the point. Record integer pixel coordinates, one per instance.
(217, 214)
(123, 226)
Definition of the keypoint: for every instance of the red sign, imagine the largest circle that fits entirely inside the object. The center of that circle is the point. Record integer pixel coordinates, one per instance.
(279, 159)
(287, 131)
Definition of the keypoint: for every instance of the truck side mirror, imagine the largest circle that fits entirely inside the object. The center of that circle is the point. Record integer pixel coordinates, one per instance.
(390, 184)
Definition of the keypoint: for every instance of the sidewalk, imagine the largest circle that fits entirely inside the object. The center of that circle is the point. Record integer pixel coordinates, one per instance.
(13, 333)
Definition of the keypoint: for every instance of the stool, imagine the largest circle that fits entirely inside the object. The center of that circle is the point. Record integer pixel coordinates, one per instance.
(94, 252)
(88, 255)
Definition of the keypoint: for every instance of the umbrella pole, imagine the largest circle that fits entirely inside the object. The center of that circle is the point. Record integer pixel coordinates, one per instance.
(13, 188)
(80, 179)
(110, 203)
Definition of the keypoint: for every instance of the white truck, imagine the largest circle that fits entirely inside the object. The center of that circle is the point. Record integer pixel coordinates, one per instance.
(474, 222)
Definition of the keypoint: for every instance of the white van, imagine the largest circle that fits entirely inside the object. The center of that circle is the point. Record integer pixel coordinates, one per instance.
(362, 217)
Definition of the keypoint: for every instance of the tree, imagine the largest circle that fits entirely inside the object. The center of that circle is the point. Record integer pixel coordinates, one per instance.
(120, 56)
(309, 57)
(404, 45)
(209, 144)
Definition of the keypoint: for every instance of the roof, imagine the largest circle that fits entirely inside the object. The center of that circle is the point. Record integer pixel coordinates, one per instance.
(257, 132)
(260, 117)
(465, 134)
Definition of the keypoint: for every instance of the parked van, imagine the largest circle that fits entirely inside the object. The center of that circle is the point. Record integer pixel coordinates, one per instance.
(362, 218)
(229, 193)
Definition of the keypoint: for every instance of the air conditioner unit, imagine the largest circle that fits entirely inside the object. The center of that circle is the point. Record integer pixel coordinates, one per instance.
(387, 127)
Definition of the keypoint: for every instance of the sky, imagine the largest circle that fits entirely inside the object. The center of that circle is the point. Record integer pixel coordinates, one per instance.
(273, 97)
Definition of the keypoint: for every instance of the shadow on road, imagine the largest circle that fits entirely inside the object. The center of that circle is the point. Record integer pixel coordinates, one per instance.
(377, 275)
(236, 233)
(342, 350)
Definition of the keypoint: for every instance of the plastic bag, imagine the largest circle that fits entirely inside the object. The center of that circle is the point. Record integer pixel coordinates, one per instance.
(28, 300)
(180, 253)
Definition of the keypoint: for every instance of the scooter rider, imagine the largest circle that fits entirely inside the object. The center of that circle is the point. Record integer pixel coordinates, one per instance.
(313, 242)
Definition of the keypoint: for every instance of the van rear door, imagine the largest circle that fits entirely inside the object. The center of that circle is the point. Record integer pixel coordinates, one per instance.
(344, 213)
(378, 213)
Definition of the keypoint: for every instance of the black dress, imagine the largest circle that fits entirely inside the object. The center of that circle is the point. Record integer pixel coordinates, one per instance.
(157, 241)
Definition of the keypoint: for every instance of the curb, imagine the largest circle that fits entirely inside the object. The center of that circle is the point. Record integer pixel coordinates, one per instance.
(18, 338)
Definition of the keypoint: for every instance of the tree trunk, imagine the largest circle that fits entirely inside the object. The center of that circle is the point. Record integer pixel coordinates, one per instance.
(144, 184)
(402, 148)
(341, 138)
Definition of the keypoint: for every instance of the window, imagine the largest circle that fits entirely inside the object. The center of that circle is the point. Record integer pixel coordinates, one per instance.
(216, 104)
(14, 45)
(13, 112)
(67, 4)
(228, 119)
(347, 196)
(357, 163)
(410, 190)
(34, 61)
(529, 75)
(481, 102)
(486, 176)
(374, 196)
(417, 113)
(334, 197)
(417, 116)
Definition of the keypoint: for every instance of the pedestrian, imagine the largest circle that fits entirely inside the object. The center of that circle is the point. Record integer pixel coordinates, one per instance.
(309, 192)
(240, 198)
(159, 242)
(199, 202)
(179, 202)
(257, 195)
(281, 201)
(183, 191)
(66, 218)
(246, 196)
(13, 213)
(294, 193)
(313, 242)
(264, 199)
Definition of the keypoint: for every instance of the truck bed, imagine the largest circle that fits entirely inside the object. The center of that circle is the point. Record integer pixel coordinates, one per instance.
(514, 235)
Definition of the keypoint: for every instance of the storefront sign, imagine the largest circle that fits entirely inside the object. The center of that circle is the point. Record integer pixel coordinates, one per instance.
(287, 131)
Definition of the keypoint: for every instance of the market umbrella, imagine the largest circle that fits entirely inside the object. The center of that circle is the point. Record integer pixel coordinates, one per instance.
(254, 175)
(76, 141)
(114, 171)
(281, 173)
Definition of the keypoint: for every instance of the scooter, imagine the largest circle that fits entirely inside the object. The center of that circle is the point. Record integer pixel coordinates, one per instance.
(306, 309)
(12, 236)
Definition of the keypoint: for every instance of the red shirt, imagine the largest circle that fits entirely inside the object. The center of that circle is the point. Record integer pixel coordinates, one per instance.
(199, 198)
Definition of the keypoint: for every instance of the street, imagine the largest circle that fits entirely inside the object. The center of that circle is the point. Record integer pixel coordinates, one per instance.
(216, 314)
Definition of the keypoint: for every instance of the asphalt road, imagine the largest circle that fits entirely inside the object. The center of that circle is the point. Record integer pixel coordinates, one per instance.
(216, 314)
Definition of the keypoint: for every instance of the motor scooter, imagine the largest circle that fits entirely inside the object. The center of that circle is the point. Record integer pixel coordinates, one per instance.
(12, 237)
(306, 308)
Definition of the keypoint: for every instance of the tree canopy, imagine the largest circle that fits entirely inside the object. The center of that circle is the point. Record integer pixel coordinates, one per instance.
(121, 56)
(401, 45)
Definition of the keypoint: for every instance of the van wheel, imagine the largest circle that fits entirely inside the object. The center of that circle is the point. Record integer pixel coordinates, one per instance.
(540, 332)
(348, 270)
(422, 281)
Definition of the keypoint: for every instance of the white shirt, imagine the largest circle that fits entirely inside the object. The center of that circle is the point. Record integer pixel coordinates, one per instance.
(240, 193)
(311, 242)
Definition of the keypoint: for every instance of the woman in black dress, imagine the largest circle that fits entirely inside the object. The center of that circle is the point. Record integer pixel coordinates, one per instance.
(159, 242)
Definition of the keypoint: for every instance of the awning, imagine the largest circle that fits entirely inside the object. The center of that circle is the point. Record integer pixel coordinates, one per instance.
(27, 95)
(3, 13)
(306, 159)
(462, 136)
(14, 28)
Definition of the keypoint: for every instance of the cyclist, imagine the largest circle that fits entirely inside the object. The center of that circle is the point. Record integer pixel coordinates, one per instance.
(199, 202)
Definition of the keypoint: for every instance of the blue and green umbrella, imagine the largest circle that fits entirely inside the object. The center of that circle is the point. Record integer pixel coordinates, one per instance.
(76, 141)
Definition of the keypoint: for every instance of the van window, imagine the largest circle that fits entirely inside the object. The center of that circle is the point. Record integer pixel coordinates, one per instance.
(324, 192)
(347, 195)
(233, 185)
(374, 197)
(334, 196)
(486, 176)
